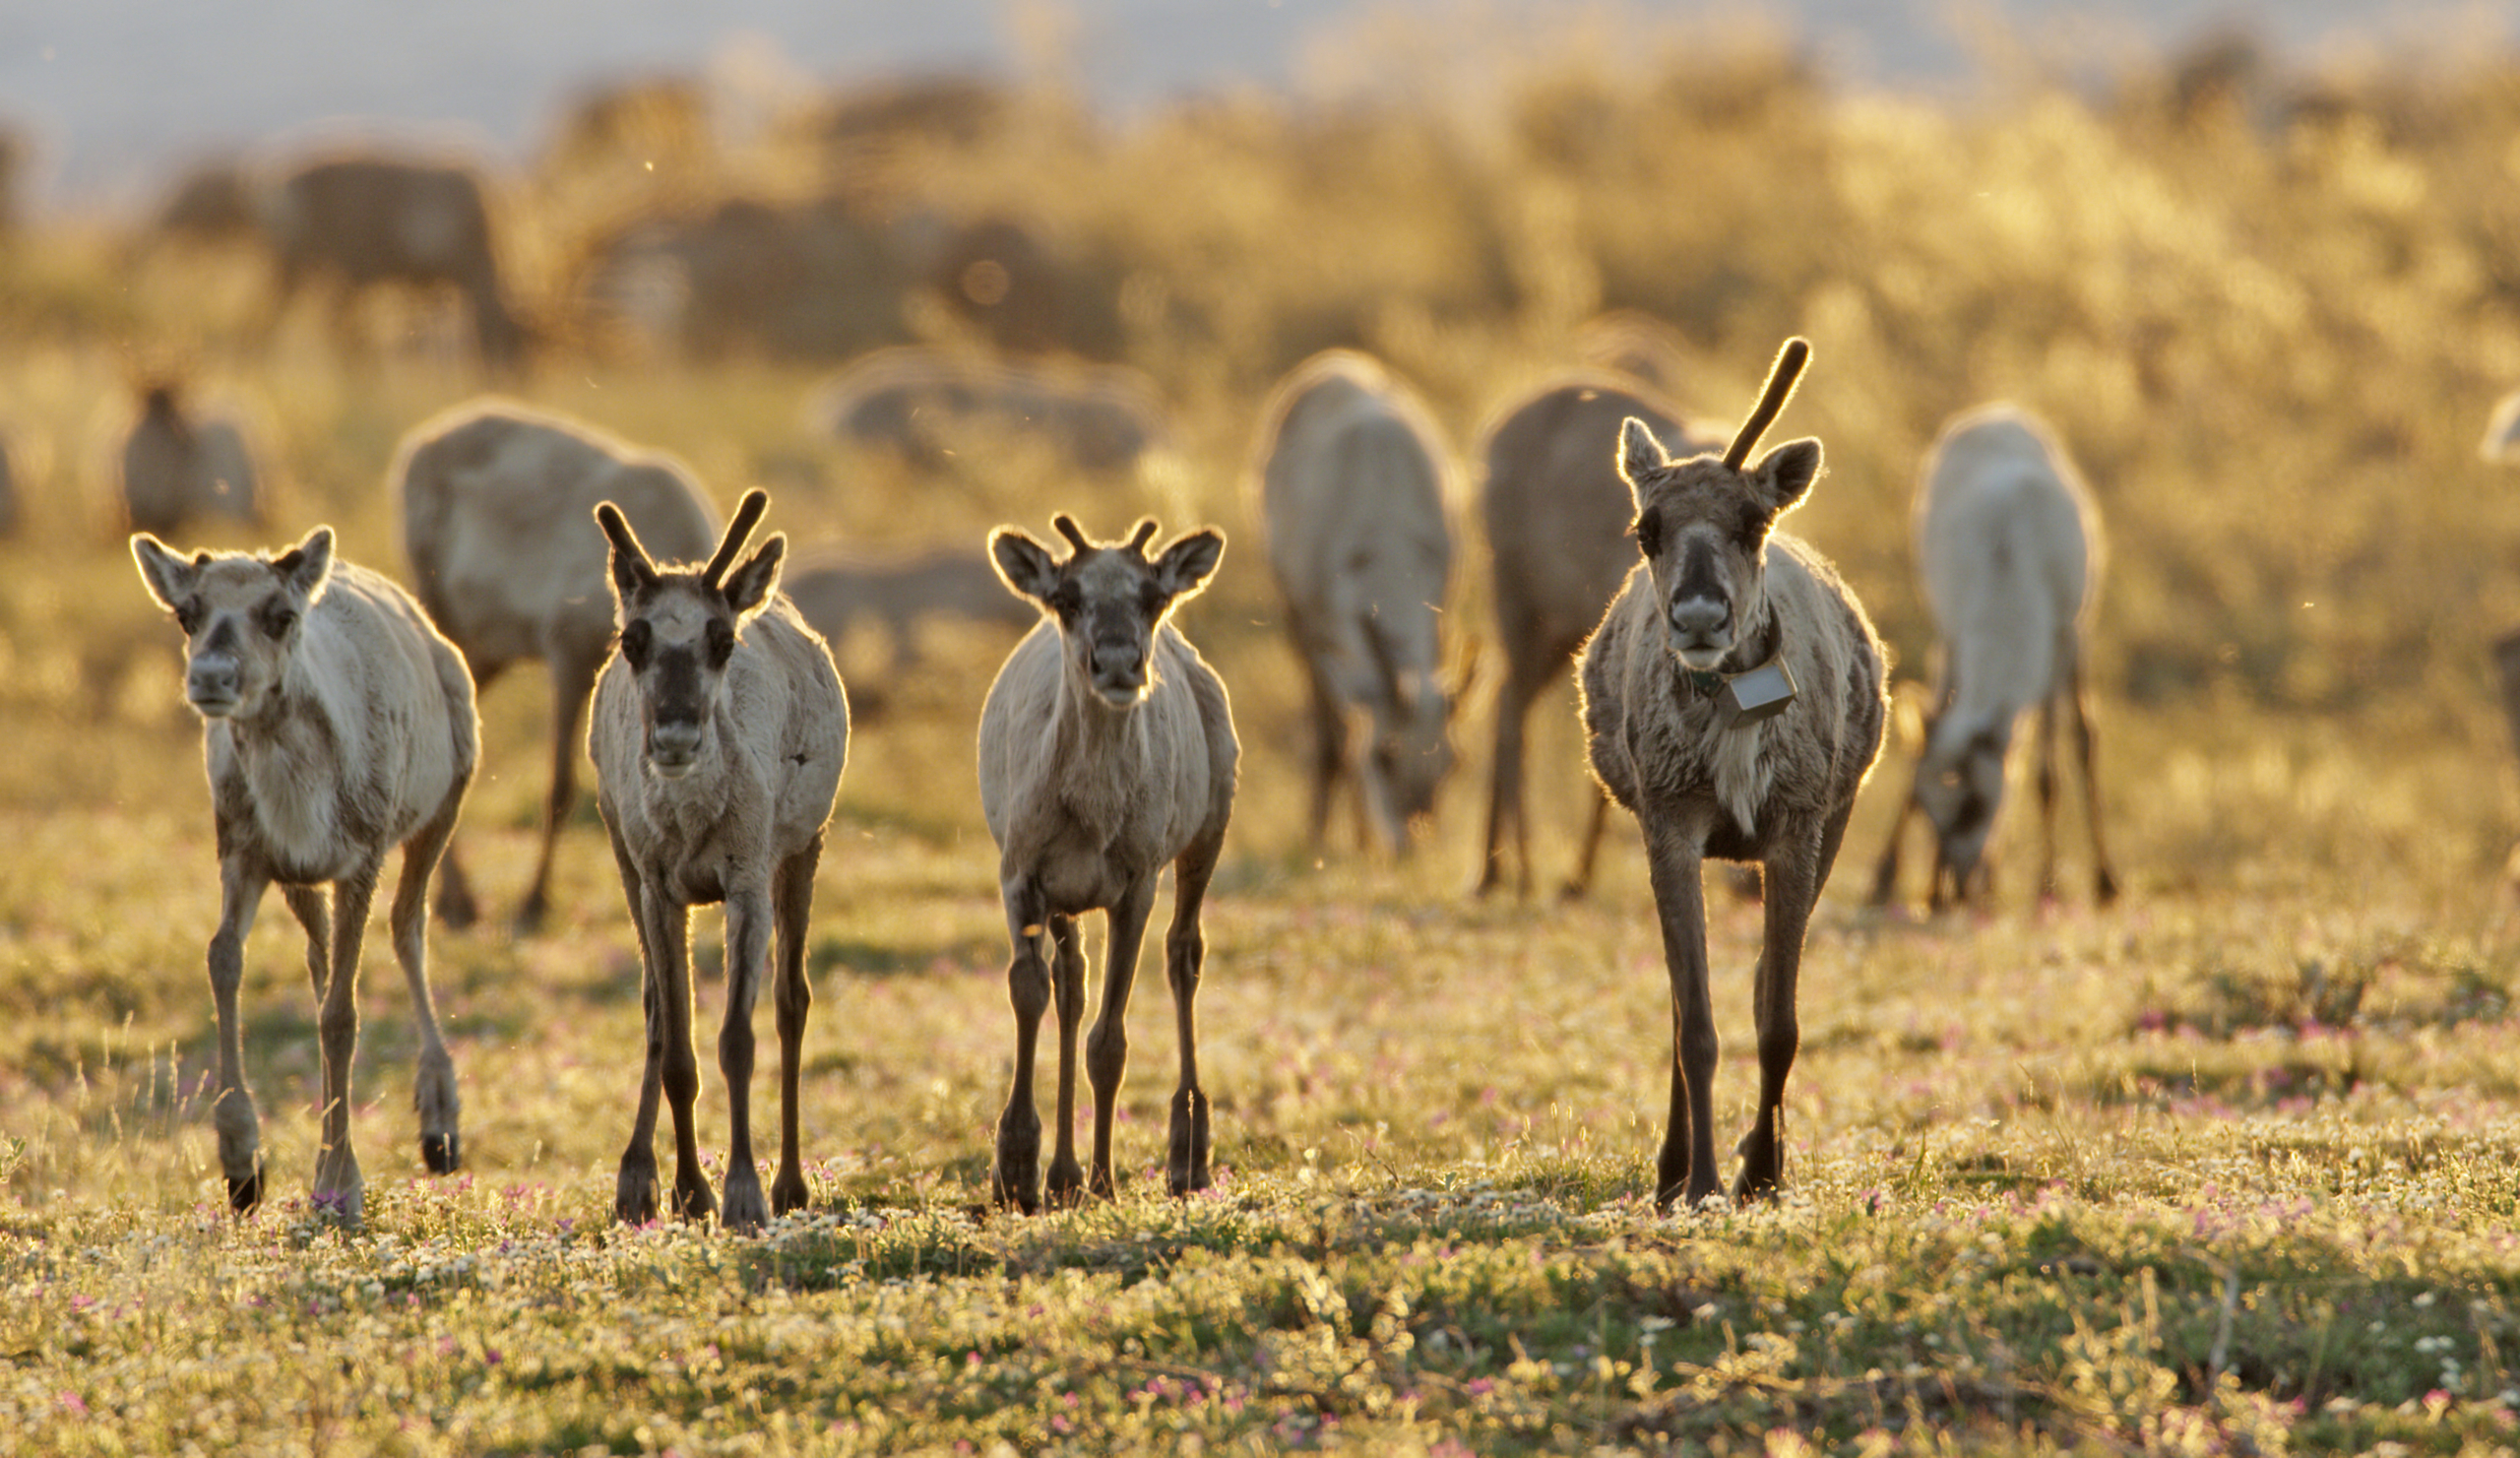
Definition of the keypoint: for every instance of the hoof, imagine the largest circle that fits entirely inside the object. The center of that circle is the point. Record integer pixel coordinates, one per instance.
(692, 1200)
(787, 1193)
(246, 1193)
(1066, 1186)
(442, 1153)
(1010, 1188)
(745, 1213)
(634, 1196)
(528, 918)
(1185, 1166)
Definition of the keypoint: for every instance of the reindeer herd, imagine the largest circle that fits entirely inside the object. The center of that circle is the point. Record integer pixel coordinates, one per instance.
(1733, 698)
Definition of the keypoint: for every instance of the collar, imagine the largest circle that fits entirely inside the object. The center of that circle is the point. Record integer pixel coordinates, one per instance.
(1744, 696)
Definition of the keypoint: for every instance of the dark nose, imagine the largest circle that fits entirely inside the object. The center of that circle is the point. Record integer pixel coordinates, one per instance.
(214, 680)
(1695, 619)
(1120, 663)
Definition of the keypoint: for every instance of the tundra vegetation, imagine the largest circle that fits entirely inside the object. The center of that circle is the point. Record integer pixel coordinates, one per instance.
(2233, 1163)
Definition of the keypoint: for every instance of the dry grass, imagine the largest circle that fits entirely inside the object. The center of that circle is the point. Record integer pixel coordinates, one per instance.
(2227, 1167)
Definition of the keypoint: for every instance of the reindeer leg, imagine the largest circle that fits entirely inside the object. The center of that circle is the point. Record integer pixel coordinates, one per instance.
(572, 682)
(1505, 782)
(340, 1190)
(1014, 1179)
(1066, 1184)
(1794, 872)
(793, 999)
(748, 940)
(1885, 872)
(241, 1138)
(1687, 1167)
(634, 1199)
(2047, 798)
(669, 939)
(1106, 1047)
(312, 905)
(2104, 880)
(1185, 954)
(1582, 881)
(433, 1089)
(1329, 750)
(456, 907)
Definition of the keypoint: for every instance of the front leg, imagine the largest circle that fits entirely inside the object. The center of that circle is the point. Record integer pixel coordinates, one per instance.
(634, 1197)
(1106, 1051)
(240, 1136)
(1067, 992)
(1014, 1179)
(1674, 855)
(793, 998)
(1793, 883)
(748, 923)
(678, 1070)
(1186, 954)
(340, 1190)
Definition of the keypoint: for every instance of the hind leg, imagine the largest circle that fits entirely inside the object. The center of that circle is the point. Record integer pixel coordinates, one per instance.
(433, 1092)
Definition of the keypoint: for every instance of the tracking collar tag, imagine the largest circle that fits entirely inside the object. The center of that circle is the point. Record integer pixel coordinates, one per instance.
(1754, 694)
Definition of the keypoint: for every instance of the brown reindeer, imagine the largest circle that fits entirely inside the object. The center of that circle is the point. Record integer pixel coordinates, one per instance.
(1106, 751)
(366, 220)
(720, 730)
(1556, 516)
(338, 725)
(1733, 702)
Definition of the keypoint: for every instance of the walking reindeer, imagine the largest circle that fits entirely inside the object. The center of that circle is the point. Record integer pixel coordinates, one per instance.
(2008, 545)
(1107, 750)
(718, 731)
(1733, 699)
(337, 725)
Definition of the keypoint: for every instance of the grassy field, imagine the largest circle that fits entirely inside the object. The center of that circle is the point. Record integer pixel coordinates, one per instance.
(2230, 1167)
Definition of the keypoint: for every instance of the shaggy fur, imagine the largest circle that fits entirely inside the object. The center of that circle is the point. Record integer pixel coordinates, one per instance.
(1557, 515)
(2008, 544)
(337, 725)
(1107, 750)
(1355, 490)
(498, 505)
(718, 735)
(1717, 594)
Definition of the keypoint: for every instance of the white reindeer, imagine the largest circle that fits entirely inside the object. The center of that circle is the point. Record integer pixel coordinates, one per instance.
(337, 725)
(720, 730)
(498, 505)
(1107, 750)
(1353, 489)
(1733, 700)
(2008, 545)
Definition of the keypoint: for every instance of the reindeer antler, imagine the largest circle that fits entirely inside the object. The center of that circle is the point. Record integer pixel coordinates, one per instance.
(616, 530)
(738, 532)
(1143, 533)
(1074, 533)
(1782, 377)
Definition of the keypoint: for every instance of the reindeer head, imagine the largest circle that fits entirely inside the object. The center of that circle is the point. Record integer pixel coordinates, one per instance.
(1702, 524)
(240, 615)
(678, 627)
(1108, 599)
(1411, 750)
(1960, 780)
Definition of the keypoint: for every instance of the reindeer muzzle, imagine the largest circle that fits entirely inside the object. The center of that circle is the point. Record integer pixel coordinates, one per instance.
(673, 748)
(214, 686)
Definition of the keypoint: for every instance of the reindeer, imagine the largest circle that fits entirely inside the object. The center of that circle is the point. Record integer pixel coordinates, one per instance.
(372, 220)
(1556, 516)
(496, 521)
(177, 469)
(720, 730)
(1733, 699)
(1354, 489)
(337, 725)
(2008, 545)
(1106, 749)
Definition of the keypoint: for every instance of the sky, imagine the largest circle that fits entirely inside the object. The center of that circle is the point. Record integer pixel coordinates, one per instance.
(118, 94)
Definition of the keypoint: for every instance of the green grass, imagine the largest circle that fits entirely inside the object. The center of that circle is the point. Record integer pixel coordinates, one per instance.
(2230, 1167)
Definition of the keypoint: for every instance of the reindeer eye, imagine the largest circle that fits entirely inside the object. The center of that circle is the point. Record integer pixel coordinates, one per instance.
(1649, 532)
(1067, 598)
(634, 644)
(722, 642)
(188, 616)
(278, 619)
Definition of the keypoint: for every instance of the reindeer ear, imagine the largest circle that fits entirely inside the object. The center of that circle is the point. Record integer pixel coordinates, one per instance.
(1023, 564)
(750, 586)
(308, 565)
(1187, 563)
(1784, 473)
(632, 571)
(1639, 452)
(168, 576)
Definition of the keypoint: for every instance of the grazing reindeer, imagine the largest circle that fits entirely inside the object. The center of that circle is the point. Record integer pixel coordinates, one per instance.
(366, 220)
(1556, 516)
(1106, 749)
(2009, 549)
(1733, 700)
(177, 469)
(497, 501)
(1356, 491)
(337, 725)
(718, 734)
